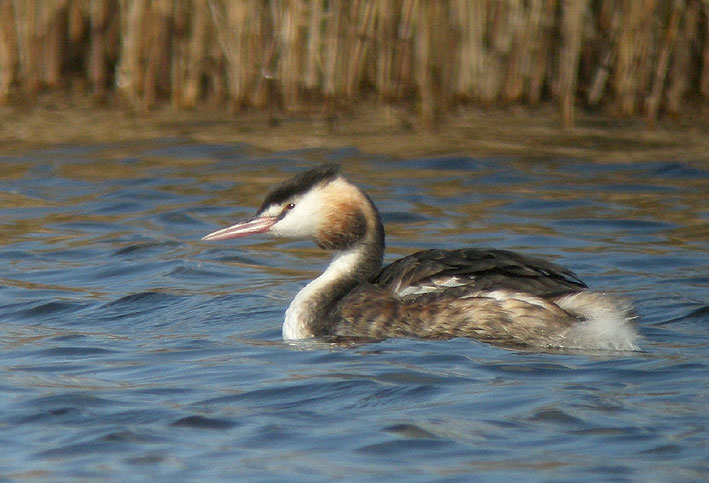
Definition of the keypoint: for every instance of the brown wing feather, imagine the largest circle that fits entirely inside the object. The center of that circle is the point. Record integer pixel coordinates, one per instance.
(477, 270)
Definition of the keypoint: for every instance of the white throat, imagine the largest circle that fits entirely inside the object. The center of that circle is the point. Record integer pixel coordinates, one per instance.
(302, 313)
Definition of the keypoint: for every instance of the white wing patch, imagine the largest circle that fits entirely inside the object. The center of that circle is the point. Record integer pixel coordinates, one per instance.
(433, 285)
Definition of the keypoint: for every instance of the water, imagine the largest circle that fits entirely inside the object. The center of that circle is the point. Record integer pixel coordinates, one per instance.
(132, 350)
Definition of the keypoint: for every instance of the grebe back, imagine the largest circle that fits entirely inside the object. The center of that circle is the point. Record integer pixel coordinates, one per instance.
(490, 295)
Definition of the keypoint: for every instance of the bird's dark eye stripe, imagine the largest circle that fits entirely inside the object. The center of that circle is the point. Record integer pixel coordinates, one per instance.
(286, 209)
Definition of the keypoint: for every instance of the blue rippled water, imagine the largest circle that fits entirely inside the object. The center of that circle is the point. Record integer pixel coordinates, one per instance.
(131, 350)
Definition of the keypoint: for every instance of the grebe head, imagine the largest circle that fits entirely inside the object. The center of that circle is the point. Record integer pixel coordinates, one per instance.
(318, 204)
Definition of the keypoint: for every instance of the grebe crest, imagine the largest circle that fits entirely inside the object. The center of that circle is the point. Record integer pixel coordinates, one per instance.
(491, 295)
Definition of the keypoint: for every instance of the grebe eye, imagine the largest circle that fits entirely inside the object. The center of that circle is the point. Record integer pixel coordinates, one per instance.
(290, 206)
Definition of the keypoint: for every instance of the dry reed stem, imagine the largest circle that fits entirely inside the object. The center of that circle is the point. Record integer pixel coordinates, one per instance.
(196, 54)
(386, 41)
(539, 58)
(704, 69)
(680, 73)
(331, 57)
(633, 69)
(632, 56)
(311, 76)
(129, 70)
(8, 56)
(607, 53)
(98, 65)
(653, 101)
(363, 32)
(573, 12)
(403, 54)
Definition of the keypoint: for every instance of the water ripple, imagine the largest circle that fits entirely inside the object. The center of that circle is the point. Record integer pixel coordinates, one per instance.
(132, 350)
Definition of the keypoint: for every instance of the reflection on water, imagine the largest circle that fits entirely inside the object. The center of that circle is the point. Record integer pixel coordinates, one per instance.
(130, 349)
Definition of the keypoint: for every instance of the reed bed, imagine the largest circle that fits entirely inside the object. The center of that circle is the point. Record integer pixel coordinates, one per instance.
(627, 57)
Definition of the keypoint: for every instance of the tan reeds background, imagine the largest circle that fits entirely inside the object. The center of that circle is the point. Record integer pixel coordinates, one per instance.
(629, 57)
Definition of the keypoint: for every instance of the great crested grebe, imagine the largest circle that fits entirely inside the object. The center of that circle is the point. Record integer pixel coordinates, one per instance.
(490, 295)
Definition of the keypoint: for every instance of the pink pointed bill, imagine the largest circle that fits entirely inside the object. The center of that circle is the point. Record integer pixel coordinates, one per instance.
(249, 227)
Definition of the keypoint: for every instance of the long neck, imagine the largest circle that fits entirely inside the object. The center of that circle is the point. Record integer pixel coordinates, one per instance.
(308, 313)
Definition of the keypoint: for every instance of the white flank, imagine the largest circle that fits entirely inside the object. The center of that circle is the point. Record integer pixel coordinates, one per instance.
(608, 325)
